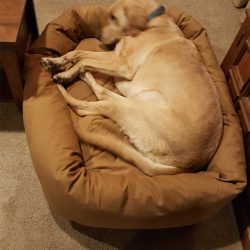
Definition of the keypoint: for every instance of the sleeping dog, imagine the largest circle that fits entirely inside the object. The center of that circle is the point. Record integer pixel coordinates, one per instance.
(168, 105)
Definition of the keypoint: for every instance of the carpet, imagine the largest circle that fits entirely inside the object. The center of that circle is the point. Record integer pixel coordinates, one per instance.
(26, 222)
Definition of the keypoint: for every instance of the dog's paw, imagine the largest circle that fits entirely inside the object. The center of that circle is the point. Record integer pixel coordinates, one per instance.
(61, 78)
(46, 63)
(58, 79)
(49, 65)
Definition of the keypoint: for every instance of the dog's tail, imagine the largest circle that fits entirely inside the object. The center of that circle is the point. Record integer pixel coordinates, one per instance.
(128, 153)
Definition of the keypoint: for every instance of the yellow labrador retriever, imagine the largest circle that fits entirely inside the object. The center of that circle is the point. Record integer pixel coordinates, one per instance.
(168, 106)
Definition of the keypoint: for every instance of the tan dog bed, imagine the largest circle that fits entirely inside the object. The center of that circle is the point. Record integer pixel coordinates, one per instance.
(91, 186)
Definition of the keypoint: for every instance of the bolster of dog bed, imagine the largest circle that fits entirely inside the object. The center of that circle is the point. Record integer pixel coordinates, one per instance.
(91, 186)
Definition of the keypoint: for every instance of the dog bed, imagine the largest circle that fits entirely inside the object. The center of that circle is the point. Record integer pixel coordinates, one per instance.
(89, 185)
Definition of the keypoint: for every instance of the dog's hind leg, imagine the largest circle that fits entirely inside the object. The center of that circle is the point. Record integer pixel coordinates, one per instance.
(100, 92)
(105, 107)
(125, 113)
(83, 108)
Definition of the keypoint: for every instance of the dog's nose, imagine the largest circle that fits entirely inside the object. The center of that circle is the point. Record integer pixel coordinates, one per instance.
(109, 46)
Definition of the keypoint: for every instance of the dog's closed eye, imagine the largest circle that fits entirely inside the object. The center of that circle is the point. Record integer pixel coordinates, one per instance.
(112, 17)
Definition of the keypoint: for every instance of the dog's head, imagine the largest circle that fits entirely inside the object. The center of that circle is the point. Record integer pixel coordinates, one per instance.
(127, 17)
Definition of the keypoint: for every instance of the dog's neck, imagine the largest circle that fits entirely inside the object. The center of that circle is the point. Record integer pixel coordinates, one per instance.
(163, 21)
(159, 21)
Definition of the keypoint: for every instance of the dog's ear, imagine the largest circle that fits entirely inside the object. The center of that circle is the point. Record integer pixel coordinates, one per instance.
(136, 18)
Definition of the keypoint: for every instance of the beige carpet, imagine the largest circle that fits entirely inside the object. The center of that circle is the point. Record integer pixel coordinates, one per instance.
(25, 219)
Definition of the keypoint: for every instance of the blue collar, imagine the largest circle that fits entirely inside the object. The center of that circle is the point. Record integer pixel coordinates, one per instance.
(157, 12)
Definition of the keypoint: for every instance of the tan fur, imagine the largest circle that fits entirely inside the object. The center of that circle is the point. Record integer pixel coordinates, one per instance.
(168, 105)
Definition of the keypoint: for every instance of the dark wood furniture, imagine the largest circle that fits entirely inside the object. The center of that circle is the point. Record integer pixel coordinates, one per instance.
(18, 28)
(236, 67)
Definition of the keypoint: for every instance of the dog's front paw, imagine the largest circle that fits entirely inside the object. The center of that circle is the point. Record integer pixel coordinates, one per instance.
(46, 63)
(61, 78)
(58, 79)
(50, 65)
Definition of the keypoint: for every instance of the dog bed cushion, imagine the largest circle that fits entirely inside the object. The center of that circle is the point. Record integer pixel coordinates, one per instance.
(93, 187)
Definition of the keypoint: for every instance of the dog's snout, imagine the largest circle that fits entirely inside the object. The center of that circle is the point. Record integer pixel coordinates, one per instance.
(109, 46)
(111, 34)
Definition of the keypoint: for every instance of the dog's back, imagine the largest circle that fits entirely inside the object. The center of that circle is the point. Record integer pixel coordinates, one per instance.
(170, 66)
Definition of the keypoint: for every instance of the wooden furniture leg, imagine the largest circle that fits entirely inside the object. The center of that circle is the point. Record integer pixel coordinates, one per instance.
(12, 69)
